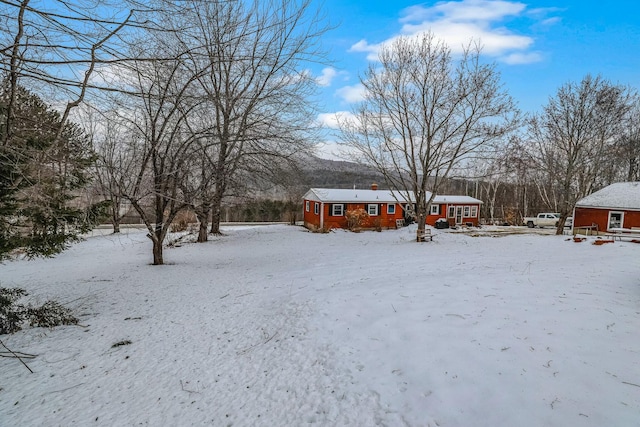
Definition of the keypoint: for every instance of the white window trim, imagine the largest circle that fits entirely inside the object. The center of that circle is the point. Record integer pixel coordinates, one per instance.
(333, 209)
(316, 208)
(474, 211)
(307, 204)
(375, 210)
(452, 212)
(466, 212)
(435, 209)
(609, 219)
(391, 209)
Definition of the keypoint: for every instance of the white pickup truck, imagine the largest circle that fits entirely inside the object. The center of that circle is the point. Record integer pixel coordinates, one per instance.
(544, 219)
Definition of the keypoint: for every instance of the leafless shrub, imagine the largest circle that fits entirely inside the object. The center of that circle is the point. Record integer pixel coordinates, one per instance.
(355, 218)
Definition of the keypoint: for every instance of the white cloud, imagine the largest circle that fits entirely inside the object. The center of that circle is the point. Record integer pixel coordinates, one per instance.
(330, 120)
(327, 76)
(331, 149)
(458, 23)
(110, 75)
(551, 21)
(466, 10)
(351, 94)
(361, 46)
(522, 58)
(371, 49)
(457, 36)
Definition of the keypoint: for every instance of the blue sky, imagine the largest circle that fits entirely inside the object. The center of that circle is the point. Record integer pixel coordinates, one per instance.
(538, 45)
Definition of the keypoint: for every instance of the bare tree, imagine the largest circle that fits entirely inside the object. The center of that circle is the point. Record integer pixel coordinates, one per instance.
(117, 159)
(521, 170)
(425, 113)
(249, 58)
(57, 47)
(571, 141)
(160, 140)
(489, 175)
(629, 144)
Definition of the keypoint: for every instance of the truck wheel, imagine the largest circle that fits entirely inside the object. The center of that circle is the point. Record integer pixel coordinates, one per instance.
(530, 224)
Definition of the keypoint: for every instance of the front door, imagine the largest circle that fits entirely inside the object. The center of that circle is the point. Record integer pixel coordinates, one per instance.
(458, 214)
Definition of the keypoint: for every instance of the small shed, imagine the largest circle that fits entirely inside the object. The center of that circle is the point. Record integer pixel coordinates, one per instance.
(615, 206)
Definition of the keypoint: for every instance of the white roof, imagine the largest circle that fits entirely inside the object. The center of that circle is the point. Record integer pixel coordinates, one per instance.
(336, 195)
(441, 200)
(621, 195)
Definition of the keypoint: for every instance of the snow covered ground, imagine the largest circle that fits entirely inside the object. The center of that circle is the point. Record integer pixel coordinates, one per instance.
(276, 326)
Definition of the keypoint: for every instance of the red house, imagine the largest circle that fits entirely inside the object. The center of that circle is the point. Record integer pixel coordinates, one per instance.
(457, 210)
(325, 208)
(615, 206)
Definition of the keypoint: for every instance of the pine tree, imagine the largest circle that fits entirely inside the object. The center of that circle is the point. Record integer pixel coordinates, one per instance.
(41, 171)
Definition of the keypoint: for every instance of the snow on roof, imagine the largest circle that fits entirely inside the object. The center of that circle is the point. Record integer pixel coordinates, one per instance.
(336, 195)
(443, 199)
(357, 195)
(622, 195)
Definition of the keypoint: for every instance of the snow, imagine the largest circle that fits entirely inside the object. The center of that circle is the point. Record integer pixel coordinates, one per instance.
(442, 199)
(341, 195)
(275, 326)
(621, 195)
(355, 195)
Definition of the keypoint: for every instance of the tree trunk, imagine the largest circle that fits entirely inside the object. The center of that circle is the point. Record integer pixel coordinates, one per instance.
(115, 215)
(216, 210)
(157, 252)
(634, 166)
(203, 219)
(561, 221)
(421, 217)
(293, 217)
(215, 220)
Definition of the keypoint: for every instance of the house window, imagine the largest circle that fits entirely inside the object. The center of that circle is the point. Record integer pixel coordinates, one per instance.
(391, 209)
(435, 209)
(615, 219)
(316, 208)
(467, 211)
(337, 210)
(372, 210)
(306, 205)
(452, 211)
(474, 211)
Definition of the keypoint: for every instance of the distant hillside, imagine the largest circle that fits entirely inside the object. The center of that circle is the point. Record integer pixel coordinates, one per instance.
(326, 173)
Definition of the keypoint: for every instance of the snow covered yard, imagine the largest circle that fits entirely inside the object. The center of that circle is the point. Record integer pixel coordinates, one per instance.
(275, 326)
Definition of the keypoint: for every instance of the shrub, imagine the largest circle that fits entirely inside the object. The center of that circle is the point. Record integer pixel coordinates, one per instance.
(51, 314)
(323, 230)
(355, 218)
(181, 222)
(13, 315)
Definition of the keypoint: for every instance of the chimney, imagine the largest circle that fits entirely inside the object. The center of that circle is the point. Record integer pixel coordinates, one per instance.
(374, 186)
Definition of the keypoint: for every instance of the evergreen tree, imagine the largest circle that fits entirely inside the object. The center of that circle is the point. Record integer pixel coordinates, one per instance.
(41, 172)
